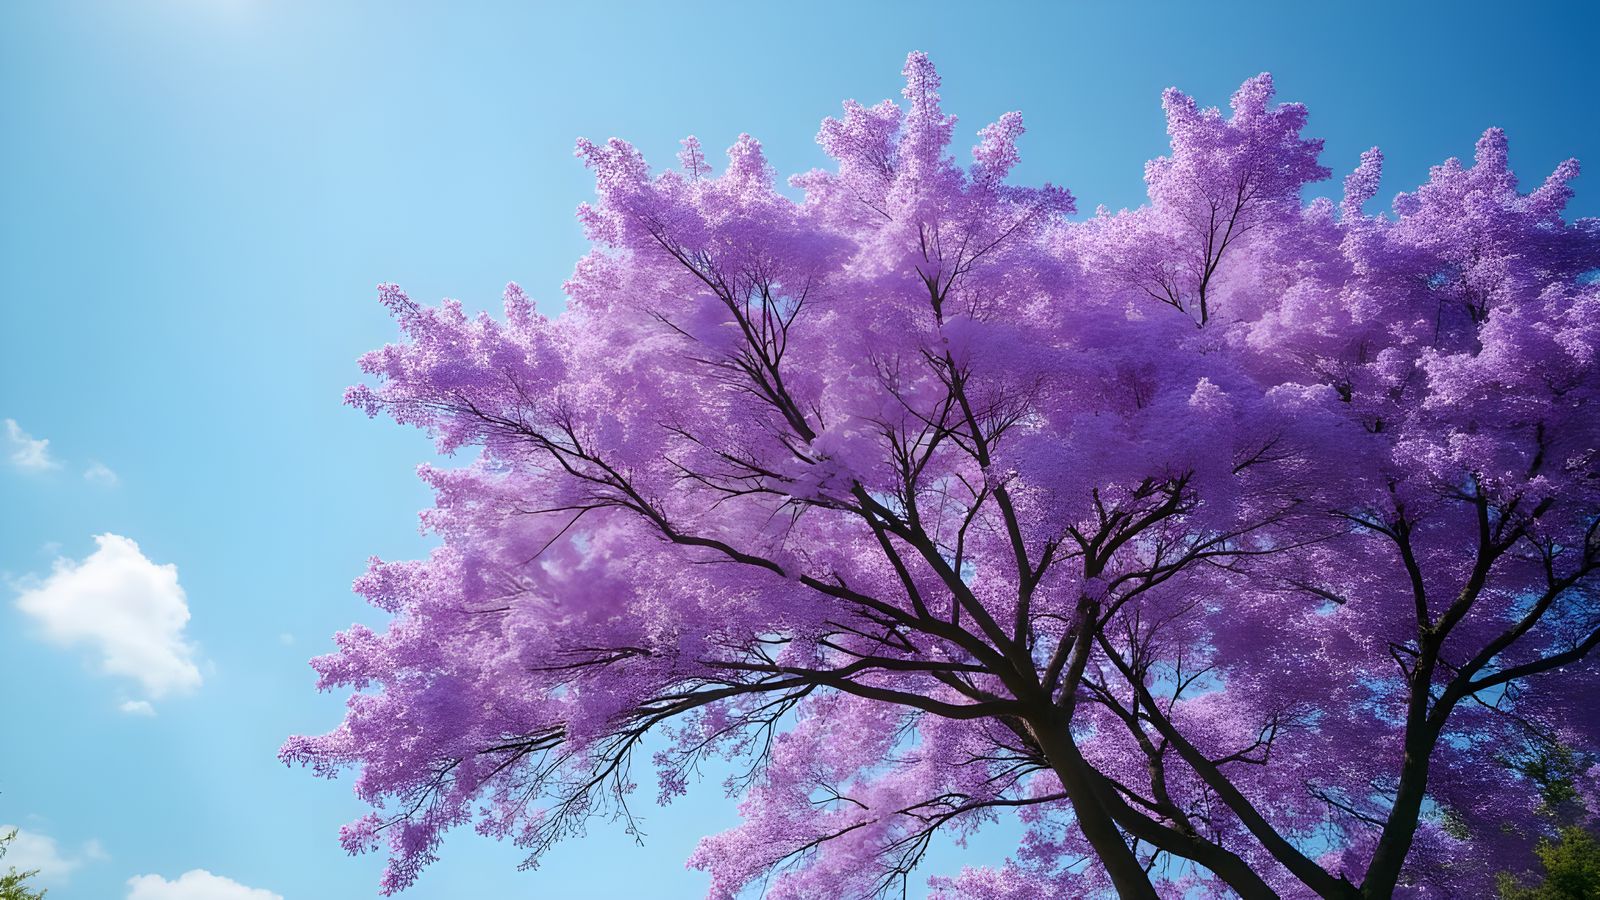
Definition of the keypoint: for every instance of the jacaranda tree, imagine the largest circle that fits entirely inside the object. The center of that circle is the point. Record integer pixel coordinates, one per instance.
(1233, 544)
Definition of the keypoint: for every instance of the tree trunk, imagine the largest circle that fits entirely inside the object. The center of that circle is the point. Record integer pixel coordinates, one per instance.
(1055, 739)
(1401, 827)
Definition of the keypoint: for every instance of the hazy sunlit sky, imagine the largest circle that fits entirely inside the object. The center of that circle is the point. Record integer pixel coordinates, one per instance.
(198, 196)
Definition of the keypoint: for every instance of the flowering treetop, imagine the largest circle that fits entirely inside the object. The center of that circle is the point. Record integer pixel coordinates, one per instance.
(1236, 544)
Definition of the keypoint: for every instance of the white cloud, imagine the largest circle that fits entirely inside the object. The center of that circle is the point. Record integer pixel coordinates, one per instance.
(195, 884)
(137, 708)
(129, 609)
(31, 850)
(100, 473)
(27, 452)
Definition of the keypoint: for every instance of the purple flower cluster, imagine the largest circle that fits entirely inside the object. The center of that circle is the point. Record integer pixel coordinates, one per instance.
(1234, 545)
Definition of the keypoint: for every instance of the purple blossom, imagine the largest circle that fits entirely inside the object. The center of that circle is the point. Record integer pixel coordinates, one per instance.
(1233, 546)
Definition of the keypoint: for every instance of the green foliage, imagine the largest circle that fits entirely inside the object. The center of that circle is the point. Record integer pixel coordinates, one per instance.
(1553, 767)
(13, 884)
(1454, 824)
(1572, 870)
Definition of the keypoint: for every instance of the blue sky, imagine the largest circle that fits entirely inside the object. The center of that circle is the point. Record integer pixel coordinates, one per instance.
(198, 197)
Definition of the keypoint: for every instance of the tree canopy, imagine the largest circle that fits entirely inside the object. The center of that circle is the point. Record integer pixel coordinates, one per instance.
(14, 884)
(1234, 544)
(1571, 869)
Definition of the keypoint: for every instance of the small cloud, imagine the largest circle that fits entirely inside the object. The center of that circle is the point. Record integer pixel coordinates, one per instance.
(286, 639)
(31, 850)
(137, 708)
(130, 610)
(26, 452)
(101, 474)
(195, 884)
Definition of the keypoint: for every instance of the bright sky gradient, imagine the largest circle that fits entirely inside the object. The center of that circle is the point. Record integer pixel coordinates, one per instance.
(198, 197)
